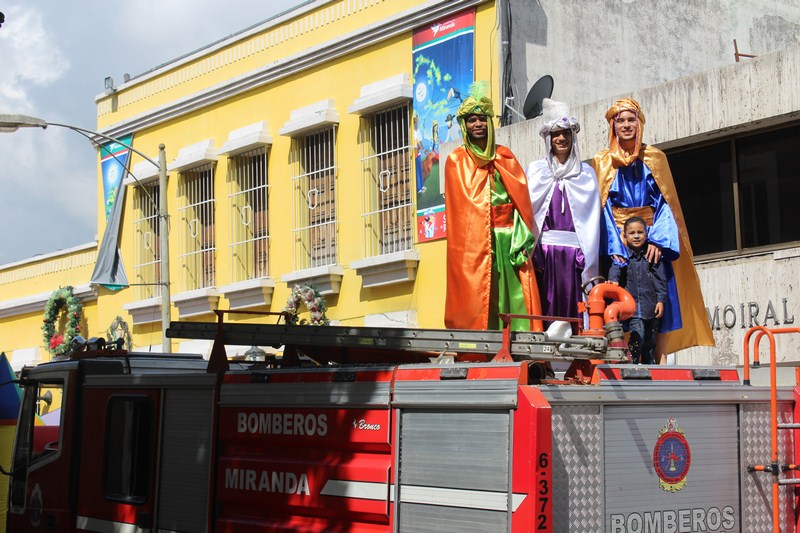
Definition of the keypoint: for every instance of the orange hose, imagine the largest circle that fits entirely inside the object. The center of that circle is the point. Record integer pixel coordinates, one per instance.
(600, 314)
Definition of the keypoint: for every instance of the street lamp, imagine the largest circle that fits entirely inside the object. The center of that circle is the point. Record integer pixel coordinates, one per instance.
(11, 123)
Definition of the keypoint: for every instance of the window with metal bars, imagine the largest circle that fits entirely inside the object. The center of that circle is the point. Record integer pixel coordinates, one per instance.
(247, 209)
(146, 242)
(314, 220)
(196, 223)
(386, 207)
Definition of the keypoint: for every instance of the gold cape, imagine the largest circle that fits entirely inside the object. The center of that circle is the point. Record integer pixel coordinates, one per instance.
(469, 236)
(696, 330)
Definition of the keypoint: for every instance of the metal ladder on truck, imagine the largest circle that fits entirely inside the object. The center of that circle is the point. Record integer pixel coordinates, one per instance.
(346, 344)
(602, 342)
(774, 467)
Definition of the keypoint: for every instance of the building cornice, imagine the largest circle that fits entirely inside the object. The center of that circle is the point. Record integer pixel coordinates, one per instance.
(216, 46)
(346, 44)
(50, 255)
(36, 302)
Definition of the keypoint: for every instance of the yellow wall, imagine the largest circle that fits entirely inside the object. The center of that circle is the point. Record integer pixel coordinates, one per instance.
(340, 79)
(36, 279)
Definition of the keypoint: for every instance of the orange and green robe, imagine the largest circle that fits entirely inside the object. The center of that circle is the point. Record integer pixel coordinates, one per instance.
(489, 242)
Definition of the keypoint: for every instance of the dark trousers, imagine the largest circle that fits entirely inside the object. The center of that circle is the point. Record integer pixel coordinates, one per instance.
(643, 340)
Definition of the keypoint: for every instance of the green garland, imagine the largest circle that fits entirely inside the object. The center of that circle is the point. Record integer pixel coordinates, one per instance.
(62, 298)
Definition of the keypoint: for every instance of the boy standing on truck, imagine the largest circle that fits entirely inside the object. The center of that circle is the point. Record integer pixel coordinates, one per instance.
(647, 283)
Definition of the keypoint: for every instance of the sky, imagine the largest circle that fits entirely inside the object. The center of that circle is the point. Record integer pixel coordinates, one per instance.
(54, 58)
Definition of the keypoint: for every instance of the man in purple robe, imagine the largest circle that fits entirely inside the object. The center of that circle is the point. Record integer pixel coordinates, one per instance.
(566, 212)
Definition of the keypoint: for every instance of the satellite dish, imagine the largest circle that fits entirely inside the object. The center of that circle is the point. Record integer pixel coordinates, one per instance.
(542, 89)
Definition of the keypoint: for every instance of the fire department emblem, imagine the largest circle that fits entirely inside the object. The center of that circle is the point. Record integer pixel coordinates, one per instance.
(672, 457)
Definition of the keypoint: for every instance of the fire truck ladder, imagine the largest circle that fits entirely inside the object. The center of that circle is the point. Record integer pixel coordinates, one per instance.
(774, 467)
(520, 345)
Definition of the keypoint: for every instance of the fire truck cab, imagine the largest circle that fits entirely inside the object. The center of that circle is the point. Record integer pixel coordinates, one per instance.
(93, 459)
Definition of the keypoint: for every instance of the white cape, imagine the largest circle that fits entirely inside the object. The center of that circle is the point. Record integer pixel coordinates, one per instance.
(584, 202)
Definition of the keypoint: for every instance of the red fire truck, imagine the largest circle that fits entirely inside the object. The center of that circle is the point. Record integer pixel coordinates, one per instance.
(403, 430)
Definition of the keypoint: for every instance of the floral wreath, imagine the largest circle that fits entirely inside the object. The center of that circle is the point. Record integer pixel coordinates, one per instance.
(63, 297)
(314, 301)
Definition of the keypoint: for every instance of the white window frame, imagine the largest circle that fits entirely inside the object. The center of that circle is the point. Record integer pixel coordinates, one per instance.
(387, 209)
(248, 209)
(146, 241)
(197, 228)
(388, 225)
(314, 172)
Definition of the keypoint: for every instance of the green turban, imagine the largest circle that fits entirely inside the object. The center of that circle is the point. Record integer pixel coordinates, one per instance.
(478, 106)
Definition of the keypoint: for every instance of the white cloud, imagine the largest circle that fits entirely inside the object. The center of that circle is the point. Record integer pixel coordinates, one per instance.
(46, 204)
(30, 57)
(35, 180)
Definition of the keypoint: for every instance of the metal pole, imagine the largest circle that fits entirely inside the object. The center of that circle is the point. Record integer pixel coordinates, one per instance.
(13, 122)
(166, 344)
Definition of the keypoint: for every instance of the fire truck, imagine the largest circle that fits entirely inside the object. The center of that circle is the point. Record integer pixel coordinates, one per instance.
(362, 429)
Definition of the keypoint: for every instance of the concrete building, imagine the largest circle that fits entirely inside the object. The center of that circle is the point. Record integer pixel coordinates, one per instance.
(730, 134)
(595, 49)
(292, 155)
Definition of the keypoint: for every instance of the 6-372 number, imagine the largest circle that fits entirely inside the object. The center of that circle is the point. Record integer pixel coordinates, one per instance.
(543, 492)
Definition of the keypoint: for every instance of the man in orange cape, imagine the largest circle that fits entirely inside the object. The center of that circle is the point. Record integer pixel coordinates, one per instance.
(489, 242)
(635, 180)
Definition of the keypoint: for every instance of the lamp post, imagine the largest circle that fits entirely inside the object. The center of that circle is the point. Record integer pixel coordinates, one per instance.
(11, 123)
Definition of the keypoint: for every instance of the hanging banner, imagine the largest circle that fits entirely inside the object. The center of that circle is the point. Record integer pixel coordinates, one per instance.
(444, 56)
(109, 271)
(114, 163)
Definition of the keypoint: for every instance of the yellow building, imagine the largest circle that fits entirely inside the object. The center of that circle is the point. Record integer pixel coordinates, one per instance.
(27, 286)
(291, 161)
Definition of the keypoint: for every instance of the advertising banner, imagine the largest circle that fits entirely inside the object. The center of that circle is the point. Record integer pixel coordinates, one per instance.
(113, 163)
(443, 61)
(109, 270)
